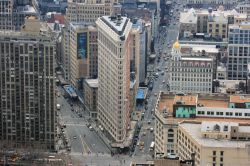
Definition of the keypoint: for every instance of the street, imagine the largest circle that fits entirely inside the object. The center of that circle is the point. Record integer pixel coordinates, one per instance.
(166, 37)
(86, 145)
(81, 139)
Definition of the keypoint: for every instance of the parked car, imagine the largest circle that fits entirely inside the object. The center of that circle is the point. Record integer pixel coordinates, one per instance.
(91, 128)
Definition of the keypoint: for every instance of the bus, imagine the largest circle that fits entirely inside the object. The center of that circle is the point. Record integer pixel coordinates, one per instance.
(152, 146)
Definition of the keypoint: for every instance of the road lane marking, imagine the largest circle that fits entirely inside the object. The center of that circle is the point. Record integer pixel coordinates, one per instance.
(85, 145)
(74, 124)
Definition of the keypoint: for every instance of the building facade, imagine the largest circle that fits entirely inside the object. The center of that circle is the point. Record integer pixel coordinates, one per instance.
(114, 76)
(217, 26)
(13, 14)
(209, 21)
(214, 143)
(27, 96)
(188, 22)
(189, 73)
(83, 52)
(79, 14)
(238, 51)
(87, 10)
(171, 110)
(91, 96)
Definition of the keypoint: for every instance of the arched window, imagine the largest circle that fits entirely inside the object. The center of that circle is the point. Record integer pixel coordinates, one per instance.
(170, 130)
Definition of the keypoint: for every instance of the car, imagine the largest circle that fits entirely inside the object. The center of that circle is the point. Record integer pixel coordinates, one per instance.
(91, 128)
(151, 129)
(149, 121)
(163, 81)
(141, 143)
(155, 94)
(74, 137)
(162, 73)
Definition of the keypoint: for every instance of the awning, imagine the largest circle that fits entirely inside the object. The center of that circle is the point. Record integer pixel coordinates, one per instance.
(70, 90)
(140, 94)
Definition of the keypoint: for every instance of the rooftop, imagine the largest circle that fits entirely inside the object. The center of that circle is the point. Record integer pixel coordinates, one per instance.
(213, 103)
(26, 9)
(187, 100)
(194, 130)
(188, 17)
(92, 82)
(240, 99)
(116, 23)
(199, 48)
(194, 58)
(167, 100)
(242, 25)
(207, 126)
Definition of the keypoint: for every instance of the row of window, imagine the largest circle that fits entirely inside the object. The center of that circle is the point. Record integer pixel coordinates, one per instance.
(223, 113)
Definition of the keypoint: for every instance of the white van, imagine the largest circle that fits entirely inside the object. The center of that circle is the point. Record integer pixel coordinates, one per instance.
(58, 106)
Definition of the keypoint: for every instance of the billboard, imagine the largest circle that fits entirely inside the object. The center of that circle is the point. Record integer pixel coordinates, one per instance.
(82, 45)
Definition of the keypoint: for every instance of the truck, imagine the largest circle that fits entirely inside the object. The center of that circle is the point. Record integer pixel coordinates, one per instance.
(58, 106)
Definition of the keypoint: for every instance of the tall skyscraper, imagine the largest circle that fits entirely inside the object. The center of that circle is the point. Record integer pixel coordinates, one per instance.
(13, 13)
(114, 76)
(83, 51)
(6, 12)
(27, 97)
(80, 18)
(238, 51)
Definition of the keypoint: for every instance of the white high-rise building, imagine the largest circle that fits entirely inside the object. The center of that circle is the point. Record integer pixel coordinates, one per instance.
(114, 53)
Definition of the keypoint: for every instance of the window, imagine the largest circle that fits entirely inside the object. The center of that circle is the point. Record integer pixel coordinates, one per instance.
(221, 153)
(214, 159)
(214, 153)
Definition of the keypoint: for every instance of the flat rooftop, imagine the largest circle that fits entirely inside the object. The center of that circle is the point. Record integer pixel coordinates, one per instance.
(197, 48)
(205, 100)
(213, 103)
(187, 100)
(166, 103)
(116, 23)
(185, 58)
(194, 130)
(240, 99)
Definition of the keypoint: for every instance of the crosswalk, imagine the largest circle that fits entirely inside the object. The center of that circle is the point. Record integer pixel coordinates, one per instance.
(75, 124)
(89, 154)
